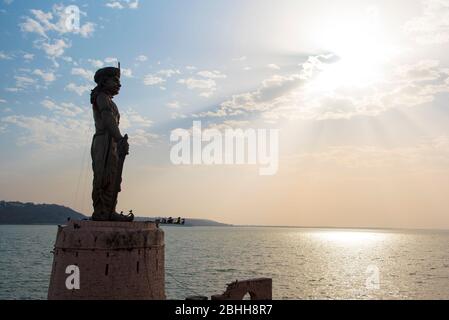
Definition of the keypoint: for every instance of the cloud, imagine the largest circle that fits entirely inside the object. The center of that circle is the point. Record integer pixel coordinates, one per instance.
(128, 73)
(160, 77)
(432, 27)
(63, 109)
(174, 105)
(57, 21)
(168, 73)
(32, 26)
(23, 82)
(424, 70)
(142, 58)
(177, 115)
(293, 96)
(141, 137)
(78, 89)
(131, 118)
(4, 56)
(273, 66)
(96, 63)
(206, 86)
(211, 74)
(55, 49)
(151, 80)
(48, 77)
(28, 56)
(69, 60)
(242, 58)
(137, 127)
(50, 26)
(272, 90)
(50, 132)
(13, 89)
(84, 73)
(111, 60)
(114, 5)
(229, 124)
(133, 4)
(65, 128)
(122, 4)
(87, 30)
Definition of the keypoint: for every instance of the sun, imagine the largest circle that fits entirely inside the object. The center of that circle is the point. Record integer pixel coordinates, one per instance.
(361, 48)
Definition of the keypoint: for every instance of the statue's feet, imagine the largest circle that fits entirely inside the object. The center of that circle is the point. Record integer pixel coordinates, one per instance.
(113, 217)
(100, 217)
(121, 217)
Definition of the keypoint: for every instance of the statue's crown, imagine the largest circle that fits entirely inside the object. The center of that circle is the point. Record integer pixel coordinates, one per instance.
(106, 73)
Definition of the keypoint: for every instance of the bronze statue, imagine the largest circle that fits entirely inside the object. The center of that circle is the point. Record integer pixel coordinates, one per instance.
(109, 147)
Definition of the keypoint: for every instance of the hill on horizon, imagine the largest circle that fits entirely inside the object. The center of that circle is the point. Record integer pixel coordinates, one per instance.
(15, 212)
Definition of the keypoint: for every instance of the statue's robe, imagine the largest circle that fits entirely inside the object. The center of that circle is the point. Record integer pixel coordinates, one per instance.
(104, 157)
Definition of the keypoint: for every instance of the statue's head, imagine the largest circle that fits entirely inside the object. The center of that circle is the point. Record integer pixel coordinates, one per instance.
(108, 79)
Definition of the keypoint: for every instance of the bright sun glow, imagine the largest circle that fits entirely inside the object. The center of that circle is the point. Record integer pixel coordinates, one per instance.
(361, 47)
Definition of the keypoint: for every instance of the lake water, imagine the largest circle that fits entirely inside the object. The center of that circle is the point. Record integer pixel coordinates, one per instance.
(303, 263)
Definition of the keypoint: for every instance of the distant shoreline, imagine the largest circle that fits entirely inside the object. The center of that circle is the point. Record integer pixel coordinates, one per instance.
(360, 229)
(342, 228)
(19, 213)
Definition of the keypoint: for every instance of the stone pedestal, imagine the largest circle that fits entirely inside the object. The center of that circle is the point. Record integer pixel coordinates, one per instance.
(115, 260)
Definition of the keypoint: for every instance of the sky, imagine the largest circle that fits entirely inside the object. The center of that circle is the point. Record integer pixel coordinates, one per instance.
(357, 89)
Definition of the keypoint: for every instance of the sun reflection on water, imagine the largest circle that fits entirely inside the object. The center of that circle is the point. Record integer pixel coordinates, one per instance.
(351, 237)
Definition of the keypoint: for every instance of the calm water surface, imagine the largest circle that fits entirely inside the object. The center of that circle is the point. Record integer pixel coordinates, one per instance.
(304, 263)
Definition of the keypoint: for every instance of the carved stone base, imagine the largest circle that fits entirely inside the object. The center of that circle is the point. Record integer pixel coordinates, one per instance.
(115, 260)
